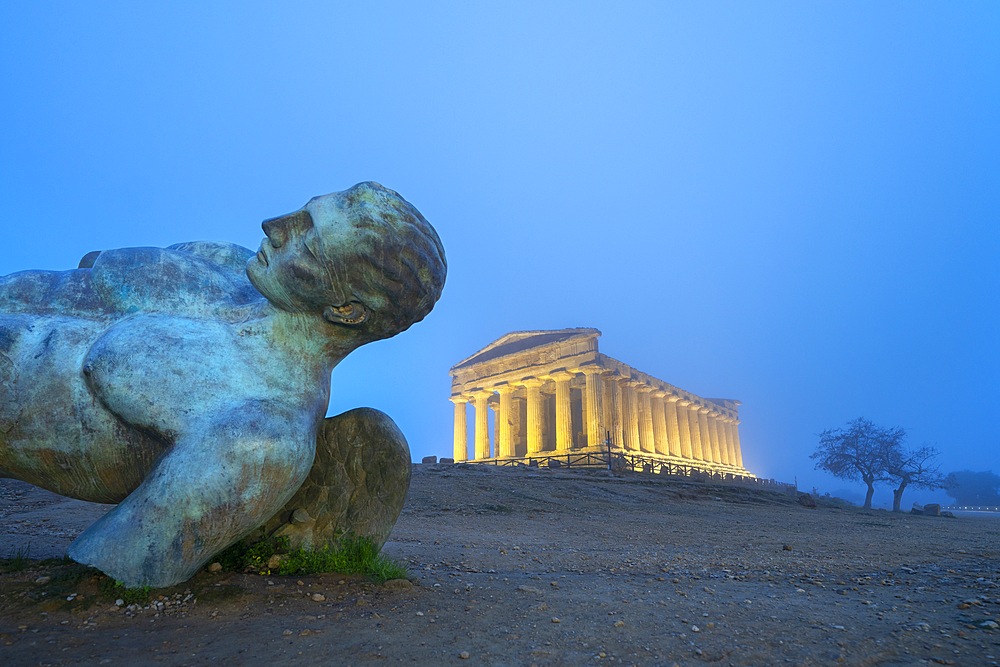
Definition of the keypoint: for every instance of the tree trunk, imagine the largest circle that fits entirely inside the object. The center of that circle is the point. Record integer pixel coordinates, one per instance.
(897, 497)
(868, 496)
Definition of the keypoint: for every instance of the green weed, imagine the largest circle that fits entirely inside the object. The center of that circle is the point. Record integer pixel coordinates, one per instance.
(116, 589)
(351, 555)
(17, 560)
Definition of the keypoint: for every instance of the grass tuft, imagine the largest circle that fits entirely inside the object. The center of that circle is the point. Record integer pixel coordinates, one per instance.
(351, 555)
(116, 589)
(17, 560)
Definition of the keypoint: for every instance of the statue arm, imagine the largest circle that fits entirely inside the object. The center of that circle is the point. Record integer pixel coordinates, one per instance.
(68, 293)
(214, 486)
(188, 279)
(228, 255)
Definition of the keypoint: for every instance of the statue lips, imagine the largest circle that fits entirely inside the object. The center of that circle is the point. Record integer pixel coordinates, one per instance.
(261, 256)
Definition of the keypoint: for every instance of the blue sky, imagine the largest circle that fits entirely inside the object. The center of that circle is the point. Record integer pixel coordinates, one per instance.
(796, 205)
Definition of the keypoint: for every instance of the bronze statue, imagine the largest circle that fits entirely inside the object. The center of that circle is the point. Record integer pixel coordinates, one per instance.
(189, 383)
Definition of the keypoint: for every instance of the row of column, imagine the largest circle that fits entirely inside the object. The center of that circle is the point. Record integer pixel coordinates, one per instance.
(639, 417)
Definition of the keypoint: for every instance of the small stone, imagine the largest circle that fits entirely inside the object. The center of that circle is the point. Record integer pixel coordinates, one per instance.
(619, 624)
(215, 567)
(119, 602)
(464, 655)
(398, 584)
(274, 562)
(695, 628)
(41, 581)
(287, 633)
(556, 619)
(318, 597)
(990, 625)
(787, 547)
(420, 613)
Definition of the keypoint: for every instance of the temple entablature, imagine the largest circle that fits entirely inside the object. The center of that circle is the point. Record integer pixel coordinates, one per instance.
(552, 392)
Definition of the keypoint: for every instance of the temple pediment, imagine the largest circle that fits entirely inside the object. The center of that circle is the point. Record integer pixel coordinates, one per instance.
(520, 341)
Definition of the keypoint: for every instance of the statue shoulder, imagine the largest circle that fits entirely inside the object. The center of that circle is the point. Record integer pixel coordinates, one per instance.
(192, 279)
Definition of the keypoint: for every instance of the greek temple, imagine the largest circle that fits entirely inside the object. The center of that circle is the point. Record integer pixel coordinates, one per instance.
(553, 393)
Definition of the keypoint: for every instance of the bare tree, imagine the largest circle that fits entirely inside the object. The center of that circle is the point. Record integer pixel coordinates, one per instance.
(912, 468)
(860, 451)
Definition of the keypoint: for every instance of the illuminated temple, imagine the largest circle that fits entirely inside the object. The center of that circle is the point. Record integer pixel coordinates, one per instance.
(553, 393)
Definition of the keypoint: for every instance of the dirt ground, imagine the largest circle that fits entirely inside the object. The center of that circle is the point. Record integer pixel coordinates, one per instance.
(544, 567)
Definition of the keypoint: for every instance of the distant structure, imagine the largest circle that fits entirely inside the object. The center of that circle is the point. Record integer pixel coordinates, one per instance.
(553, 393)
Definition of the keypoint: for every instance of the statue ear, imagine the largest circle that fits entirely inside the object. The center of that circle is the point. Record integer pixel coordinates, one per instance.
(352, 312)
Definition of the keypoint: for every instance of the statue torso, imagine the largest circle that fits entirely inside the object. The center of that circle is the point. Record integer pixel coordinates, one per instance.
(103, 368)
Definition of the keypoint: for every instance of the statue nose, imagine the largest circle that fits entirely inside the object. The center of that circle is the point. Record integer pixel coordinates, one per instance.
(275, 231)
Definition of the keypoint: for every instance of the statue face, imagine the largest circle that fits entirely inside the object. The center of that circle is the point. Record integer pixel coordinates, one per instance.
(296, 267)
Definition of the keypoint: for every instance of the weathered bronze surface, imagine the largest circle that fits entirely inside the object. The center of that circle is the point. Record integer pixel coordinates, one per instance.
(189, 383)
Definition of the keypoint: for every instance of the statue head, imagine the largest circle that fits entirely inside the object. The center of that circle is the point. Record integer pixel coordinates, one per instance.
(362, 258)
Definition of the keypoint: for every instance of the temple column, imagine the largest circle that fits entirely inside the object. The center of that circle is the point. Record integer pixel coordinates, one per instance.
(505, 435)
(692, 415)
(564, 414)
(593, 405)
(736, 443)
(684, 423)
(673, 428)
(706, 440)
(482, 429)
(660, 422)
(533, 388)
(517, 435)
(718, 447)
(720, 427)
(727, 437)
(461, 447)
(614, 393)
(630, 418)
(647, 442)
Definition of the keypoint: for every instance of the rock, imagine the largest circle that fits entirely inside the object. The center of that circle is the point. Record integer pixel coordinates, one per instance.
(429, 460)
(317, 597)
(447, 460)
(555, 463)
(398, 584)
(806, 500)
(356, 486)
(215, 567)
(932, 509)
(464, 655)
(300, 517)
(274, 562)
(947, 514)
(41, 581)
